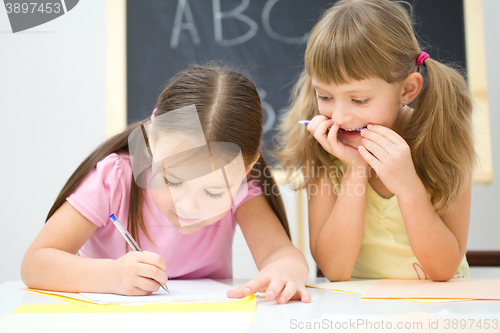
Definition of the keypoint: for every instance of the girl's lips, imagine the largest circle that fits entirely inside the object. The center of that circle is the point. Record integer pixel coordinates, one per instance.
(184, 219)
(351, 134)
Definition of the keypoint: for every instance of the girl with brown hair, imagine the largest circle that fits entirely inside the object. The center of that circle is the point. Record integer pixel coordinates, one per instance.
(389, 185)
(184, 222)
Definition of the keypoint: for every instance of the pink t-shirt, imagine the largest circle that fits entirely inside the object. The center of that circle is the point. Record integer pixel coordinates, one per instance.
(205, 253)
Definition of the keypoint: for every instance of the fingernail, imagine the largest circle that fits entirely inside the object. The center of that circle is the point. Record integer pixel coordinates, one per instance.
(363, 140)
(281, 300)
(246, 291)
(271, 294)
(369, 126)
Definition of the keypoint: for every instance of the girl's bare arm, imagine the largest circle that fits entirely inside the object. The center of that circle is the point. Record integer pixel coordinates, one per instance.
(336, 223)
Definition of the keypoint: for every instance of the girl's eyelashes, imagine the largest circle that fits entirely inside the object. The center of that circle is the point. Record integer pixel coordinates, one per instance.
(214, 195)
(360, 101)
(210, 194)
(357, 101)
(170, 184)
(323, 98)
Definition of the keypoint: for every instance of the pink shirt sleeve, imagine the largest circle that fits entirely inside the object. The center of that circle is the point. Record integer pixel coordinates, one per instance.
(253, 190)
(105, 190)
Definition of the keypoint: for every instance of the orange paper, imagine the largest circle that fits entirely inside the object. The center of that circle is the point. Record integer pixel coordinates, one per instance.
(479, 289)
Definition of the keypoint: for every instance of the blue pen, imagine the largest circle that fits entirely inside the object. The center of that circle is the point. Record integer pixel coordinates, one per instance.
(133, 244)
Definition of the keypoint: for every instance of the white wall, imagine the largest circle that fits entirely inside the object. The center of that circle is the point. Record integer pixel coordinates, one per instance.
(52, 109)
(484, 231)
(52, 114)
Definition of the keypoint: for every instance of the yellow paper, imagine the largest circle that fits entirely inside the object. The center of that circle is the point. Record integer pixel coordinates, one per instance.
(76, 306)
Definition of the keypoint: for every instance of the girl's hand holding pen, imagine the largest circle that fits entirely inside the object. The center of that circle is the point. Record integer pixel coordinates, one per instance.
(132, 243)
(138, 274)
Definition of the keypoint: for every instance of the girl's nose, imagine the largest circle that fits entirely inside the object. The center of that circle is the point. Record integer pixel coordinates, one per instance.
(186, 205)
(341, 115)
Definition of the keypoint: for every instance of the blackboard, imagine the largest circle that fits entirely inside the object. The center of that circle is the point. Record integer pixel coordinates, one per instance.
(267, 38)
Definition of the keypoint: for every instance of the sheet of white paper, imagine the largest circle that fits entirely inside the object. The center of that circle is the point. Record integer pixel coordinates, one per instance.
(180, 290)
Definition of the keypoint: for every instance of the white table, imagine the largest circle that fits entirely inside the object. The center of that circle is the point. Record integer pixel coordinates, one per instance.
(269, 316)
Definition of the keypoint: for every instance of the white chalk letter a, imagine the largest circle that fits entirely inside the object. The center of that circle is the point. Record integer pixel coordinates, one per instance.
(183, 9)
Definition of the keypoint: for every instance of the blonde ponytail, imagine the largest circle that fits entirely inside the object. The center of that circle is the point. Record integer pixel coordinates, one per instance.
(439, 134)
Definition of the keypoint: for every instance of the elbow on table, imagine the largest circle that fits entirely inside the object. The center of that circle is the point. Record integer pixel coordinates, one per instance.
(338, 278)
(26, 278)
(28, 282)
(335, 272)
(442, 277)
(336, 275)
(27, 275)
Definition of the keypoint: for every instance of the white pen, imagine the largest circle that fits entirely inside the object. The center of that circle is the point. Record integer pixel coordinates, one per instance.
(307, 122)
(130, 240)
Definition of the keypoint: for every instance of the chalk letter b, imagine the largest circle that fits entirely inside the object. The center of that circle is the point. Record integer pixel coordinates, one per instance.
(235, 13)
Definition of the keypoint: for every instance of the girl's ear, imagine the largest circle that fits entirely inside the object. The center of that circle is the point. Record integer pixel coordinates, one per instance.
(412, 86)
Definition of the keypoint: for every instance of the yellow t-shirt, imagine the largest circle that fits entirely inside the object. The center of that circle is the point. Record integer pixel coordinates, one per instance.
(385, 249)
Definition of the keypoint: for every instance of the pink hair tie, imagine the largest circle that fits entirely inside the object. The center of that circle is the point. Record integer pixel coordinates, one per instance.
(153, 115)
(421, 58)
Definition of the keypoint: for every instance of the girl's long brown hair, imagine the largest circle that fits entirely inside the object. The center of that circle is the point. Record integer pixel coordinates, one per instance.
(360, 39)
(229, 110)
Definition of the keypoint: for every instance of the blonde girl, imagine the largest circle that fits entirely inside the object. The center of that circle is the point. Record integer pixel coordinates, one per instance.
(389, 185)
(80, 250)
